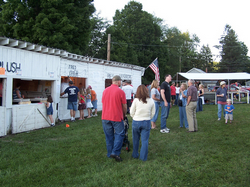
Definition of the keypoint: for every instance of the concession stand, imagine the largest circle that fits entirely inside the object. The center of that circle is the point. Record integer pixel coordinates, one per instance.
(41, 71)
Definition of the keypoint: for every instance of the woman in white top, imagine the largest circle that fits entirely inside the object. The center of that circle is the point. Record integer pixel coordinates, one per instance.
(155, 95)
(142, 111)
(177, 91)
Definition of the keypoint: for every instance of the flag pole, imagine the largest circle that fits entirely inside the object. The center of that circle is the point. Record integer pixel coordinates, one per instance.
(151, 63)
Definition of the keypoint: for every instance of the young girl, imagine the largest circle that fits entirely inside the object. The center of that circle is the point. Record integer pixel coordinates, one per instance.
(50, 109)
(88, 102)
(82, 104)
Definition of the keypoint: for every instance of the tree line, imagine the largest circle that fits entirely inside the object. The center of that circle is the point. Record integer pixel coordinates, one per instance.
(138, 37)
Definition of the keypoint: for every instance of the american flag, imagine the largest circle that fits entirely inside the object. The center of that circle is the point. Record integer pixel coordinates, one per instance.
(155, 67)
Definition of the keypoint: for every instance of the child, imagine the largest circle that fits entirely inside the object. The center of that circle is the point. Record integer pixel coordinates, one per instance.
(88, 102)
(229, 111)
(50, 109)
(82, 104)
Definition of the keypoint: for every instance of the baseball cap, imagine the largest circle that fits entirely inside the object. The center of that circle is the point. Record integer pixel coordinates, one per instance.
(71, 82)
(89, 87)
(222, 82)
(117, 78)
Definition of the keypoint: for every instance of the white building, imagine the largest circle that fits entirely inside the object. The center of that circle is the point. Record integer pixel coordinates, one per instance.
(39, 70)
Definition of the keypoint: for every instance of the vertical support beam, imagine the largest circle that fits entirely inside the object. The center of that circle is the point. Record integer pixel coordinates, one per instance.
(108, 47)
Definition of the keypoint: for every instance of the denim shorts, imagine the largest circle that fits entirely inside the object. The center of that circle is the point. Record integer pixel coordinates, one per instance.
(49, 111)
(94, 103)
(72, 106)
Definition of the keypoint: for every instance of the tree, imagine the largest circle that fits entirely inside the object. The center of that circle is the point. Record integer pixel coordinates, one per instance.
(136, 38)
(182, 52)
(98, 33)
(233, 52)
(205, 58)
(59, 24)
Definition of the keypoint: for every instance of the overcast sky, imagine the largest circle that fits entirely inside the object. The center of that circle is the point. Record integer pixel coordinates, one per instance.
(206, 19)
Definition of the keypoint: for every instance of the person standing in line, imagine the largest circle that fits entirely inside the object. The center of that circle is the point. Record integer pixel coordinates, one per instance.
(191, 106)
(128, 89)
(142, 110)
(50, 109)
(200, 100)
(155, 95)
(88, 102)
(165, 103)
(177, 91)
(173, 93)
(182, 107)
(221, 94)
(73, 94)
(82, 104)
(93, 100)
(113, 112)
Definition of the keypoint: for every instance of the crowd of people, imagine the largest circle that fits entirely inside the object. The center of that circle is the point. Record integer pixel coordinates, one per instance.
(144, 110)
(80, 99)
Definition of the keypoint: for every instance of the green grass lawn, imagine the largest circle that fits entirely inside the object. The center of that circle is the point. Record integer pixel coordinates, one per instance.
(217, 155)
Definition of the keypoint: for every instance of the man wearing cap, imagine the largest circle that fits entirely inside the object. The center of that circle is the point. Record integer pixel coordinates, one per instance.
(221, 94)
(73, 94)
(114, 108)
(93, 99)
(191, 106)
(128, 89)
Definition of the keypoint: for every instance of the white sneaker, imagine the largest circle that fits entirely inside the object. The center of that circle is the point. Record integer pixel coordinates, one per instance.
(167, 129)
(95, 115)
(164, 131)
(218, 119)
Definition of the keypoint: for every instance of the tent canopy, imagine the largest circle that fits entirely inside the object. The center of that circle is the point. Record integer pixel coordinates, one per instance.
(213, 76)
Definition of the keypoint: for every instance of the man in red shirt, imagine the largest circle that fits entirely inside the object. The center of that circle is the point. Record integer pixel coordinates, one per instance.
(114, 108)
(173, 93)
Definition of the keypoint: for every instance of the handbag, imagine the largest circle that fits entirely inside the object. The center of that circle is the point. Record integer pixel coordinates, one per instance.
(179, 102)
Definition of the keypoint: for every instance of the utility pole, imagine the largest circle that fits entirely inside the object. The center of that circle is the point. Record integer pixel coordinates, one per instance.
(108, 47)
(180, 62)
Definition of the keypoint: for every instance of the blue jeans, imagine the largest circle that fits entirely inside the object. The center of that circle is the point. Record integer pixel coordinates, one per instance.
(140, 129)
(220, 108)
(176, 99)
(183, 116)
(164, 114)
(157, 105)
(199, 105)
(114, 140)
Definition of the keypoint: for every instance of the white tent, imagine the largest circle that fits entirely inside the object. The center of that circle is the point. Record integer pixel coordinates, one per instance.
(213, 76)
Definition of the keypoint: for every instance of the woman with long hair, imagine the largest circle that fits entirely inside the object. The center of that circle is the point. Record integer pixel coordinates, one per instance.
(155, 95)
(142, 111)
(182, 102)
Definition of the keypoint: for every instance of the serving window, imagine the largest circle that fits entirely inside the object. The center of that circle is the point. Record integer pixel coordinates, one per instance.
(30, 91)
(78, 82)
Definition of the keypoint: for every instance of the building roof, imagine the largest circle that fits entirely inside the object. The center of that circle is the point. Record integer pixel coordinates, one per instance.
(8, 42)
(214, 76)
(195, 70)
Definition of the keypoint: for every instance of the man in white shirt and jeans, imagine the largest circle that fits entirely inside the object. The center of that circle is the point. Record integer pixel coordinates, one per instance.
(128, 89)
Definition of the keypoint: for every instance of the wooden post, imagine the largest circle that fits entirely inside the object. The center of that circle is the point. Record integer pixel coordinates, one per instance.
(108, 47)
(180, 62)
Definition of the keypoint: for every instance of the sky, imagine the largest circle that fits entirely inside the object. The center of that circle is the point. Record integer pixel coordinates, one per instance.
(206, 19)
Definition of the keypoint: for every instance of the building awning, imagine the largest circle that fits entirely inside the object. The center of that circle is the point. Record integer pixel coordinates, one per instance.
(212, 76)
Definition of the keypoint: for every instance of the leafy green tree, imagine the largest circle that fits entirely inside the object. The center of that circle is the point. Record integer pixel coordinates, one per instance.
(136, 38)
(63, 24)
(97, 44)
(233, 53)
(182, 50)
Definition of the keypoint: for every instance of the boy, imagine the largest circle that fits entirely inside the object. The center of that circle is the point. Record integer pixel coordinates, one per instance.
(229, 111)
